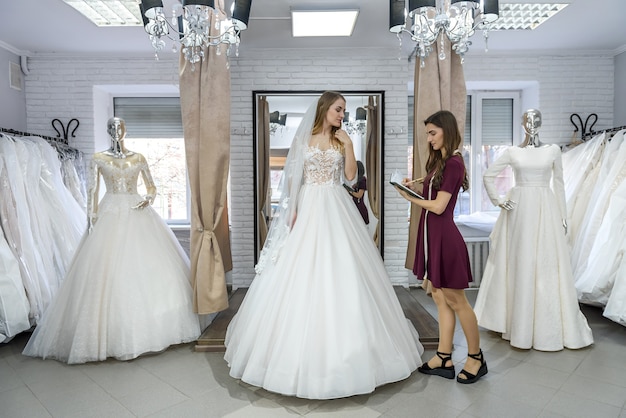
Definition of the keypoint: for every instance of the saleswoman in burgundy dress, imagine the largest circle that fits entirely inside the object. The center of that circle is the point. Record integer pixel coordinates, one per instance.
(441, 255)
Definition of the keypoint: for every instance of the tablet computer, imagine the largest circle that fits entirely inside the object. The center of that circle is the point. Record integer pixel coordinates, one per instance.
(406, 189)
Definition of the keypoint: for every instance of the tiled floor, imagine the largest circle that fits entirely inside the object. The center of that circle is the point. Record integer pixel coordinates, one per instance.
(182, 383)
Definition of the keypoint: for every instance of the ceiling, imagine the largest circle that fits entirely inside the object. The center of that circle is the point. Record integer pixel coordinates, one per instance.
(32, 27)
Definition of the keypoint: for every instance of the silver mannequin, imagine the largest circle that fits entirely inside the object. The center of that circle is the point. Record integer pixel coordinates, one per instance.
(116, 128)
(531, 122)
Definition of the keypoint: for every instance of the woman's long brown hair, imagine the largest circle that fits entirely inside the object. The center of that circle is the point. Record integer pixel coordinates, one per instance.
(445, 120)
(324, 103)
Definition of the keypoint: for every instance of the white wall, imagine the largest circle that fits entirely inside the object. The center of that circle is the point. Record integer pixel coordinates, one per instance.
(64, 88)
(12, 101)
(567, 84)
(620, 90)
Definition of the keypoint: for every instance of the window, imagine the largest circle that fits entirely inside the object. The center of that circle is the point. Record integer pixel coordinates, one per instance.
(492, 118)
(154, 128)
(490, 127)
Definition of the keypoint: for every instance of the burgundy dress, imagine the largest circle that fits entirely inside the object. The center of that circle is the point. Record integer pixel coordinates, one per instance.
(358, 201)
(442, 256)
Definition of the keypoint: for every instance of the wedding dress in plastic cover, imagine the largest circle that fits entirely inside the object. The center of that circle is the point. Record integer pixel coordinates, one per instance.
(127, 291)
(601, 279)
(321, 319)
(14, 305)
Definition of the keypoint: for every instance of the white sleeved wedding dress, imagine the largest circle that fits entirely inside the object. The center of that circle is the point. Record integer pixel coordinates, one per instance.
(527, 291)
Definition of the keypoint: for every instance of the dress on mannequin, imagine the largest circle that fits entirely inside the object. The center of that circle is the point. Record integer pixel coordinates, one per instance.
(127, 291)
(527, 291)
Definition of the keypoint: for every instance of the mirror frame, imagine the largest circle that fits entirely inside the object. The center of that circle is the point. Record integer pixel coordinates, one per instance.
(381, 156)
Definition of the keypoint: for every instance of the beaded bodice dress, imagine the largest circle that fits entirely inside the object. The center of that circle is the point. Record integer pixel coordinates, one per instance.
(120, 175)
(321, 319)
(323, 167)
(129, 276)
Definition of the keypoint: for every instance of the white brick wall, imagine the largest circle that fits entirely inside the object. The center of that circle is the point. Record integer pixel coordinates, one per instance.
(63, 88)
(567, 84)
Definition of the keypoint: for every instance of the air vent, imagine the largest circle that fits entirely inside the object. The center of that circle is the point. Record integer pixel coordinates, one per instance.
(15, 74)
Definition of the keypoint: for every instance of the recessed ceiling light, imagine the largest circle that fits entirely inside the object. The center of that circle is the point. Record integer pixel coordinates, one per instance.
(109, 12)
(520, 16)
(323, 22)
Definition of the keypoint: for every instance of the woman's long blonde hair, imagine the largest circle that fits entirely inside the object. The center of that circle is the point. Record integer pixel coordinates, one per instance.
(324, 103)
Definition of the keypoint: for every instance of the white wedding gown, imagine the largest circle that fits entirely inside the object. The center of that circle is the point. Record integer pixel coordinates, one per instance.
(322, 321)
(127, 291)
(581, 166)
(601, 279)
(612, 168)
(527, 291)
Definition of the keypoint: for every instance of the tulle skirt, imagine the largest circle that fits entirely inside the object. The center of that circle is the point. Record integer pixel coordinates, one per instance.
(127, 291)
(323, 320)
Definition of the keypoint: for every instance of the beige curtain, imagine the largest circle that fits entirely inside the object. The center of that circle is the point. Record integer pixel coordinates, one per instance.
(263, 167)
(440, 85)
(372, 161)
(205, 105)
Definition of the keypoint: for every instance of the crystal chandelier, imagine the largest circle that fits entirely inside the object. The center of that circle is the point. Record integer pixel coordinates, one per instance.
(190, 25)
(356, 125)
(456, 19)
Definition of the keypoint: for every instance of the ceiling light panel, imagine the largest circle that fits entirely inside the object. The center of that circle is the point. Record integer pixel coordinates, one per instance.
(323, 22)
(109, 12)
(524, 16)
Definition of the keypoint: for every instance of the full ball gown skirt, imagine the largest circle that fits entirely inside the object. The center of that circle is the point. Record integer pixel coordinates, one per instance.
(127, 291)
(527, 290)
(323, 321)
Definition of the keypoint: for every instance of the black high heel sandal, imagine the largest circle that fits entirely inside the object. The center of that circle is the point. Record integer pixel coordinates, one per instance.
(469, 377)
(443, 370)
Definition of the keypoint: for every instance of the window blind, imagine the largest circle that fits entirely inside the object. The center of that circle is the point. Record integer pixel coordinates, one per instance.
(497, 121)
(150, 117)
(467, 135)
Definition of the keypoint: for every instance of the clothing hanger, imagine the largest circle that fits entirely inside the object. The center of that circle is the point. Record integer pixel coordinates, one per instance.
(583, 125)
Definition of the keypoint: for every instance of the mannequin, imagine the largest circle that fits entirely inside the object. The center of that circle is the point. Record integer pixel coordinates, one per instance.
(116, 128)
(531, 300)
(129, 275)
(531, 121)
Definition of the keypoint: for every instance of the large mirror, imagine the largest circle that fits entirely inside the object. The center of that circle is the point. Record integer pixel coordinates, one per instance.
(277, 115)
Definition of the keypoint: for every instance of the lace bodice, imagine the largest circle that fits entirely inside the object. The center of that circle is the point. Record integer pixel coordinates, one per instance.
(323, 167)
(120, 175)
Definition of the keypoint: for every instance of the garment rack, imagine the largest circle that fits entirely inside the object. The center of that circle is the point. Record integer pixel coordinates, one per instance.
(610, 130)
(46, 137)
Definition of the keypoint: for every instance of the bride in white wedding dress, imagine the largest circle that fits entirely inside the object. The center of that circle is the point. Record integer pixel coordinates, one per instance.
(127, 290)
(321, 319)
